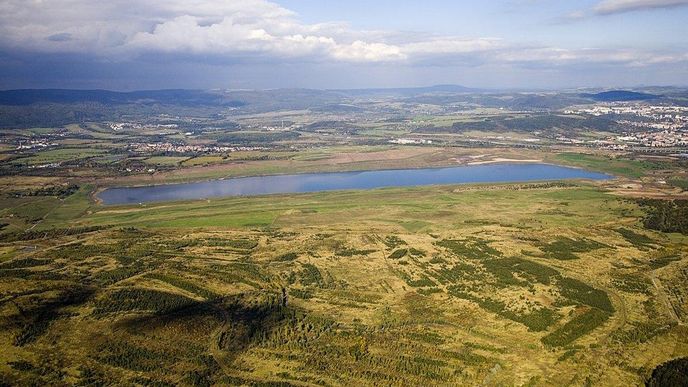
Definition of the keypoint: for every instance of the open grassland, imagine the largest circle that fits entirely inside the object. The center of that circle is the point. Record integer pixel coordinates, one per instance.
(615, 165)
(165, 160)
(60, 155)
(437, 206)
(512, 284)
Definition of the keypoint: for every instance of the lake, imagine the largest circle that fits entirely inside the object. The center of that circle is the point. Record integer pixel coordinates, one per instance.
(314, 182)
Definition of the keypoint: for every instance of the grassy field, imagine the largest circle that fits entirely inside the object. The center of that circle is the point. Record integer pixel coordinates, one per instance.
(614, 165)
(165, 160)
(61, 155)
(512, 284)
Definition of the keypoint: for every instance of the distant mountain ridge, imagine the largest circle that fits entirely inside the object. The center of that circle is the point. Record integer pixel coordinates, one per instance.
(239, 98)
(409, 91)
(185, 97)
(23, 97)
(621, 96)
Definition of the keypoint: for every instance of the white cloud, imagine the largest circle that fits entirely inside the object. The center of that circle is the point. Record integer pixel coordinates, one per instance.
(262, 29)
(613, 7)
(562, 57)
(608, 7)
(227, 27)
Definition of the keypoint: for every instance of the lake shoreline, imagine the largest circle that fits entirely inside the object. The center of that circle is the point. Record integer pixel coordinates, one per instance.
(114, 183)
(499, 172)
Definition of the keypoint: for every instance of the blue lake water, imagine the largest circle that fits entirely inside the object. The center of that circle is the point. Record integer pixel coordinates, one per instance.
(313, 182)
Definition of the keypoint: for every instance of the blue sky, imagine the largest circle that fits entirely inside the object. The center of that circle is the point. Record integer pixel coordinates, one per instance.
(537, 21)
(532, 44)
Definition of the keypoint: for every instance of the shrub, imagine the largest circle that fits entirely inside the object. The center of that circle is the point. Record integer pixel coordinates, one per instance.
(563, 248)
(671, 373)
(142, 300)
(666, 215)
(472, 248)
(583, 293)
(287, 257)
(577, 327)
(398, 254)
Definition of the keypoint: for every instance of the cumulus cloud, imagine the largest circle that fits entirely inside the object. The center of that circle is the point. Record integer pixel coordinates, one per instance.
(227, 27)
(260, 29)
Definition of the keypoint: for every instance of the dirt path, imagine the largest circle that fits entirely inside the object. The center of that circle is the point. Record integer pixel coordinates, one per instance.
(215, 350)
(45, 215)
(665, 299)
(622, 313)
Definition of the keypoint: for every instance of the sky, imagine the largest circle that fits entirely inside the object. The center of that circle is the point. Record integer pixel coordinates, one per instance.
(327, 44)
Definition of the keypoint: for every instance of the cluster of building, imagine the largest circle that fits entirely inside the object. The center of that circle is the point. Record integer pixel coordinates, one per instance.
(674, 124)
(35, 144)
(169, 147)
(653, 126)
(663, 139)
(648, 116)
(410, 141)
(116, 126)
(282, 126)
(41, 166)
